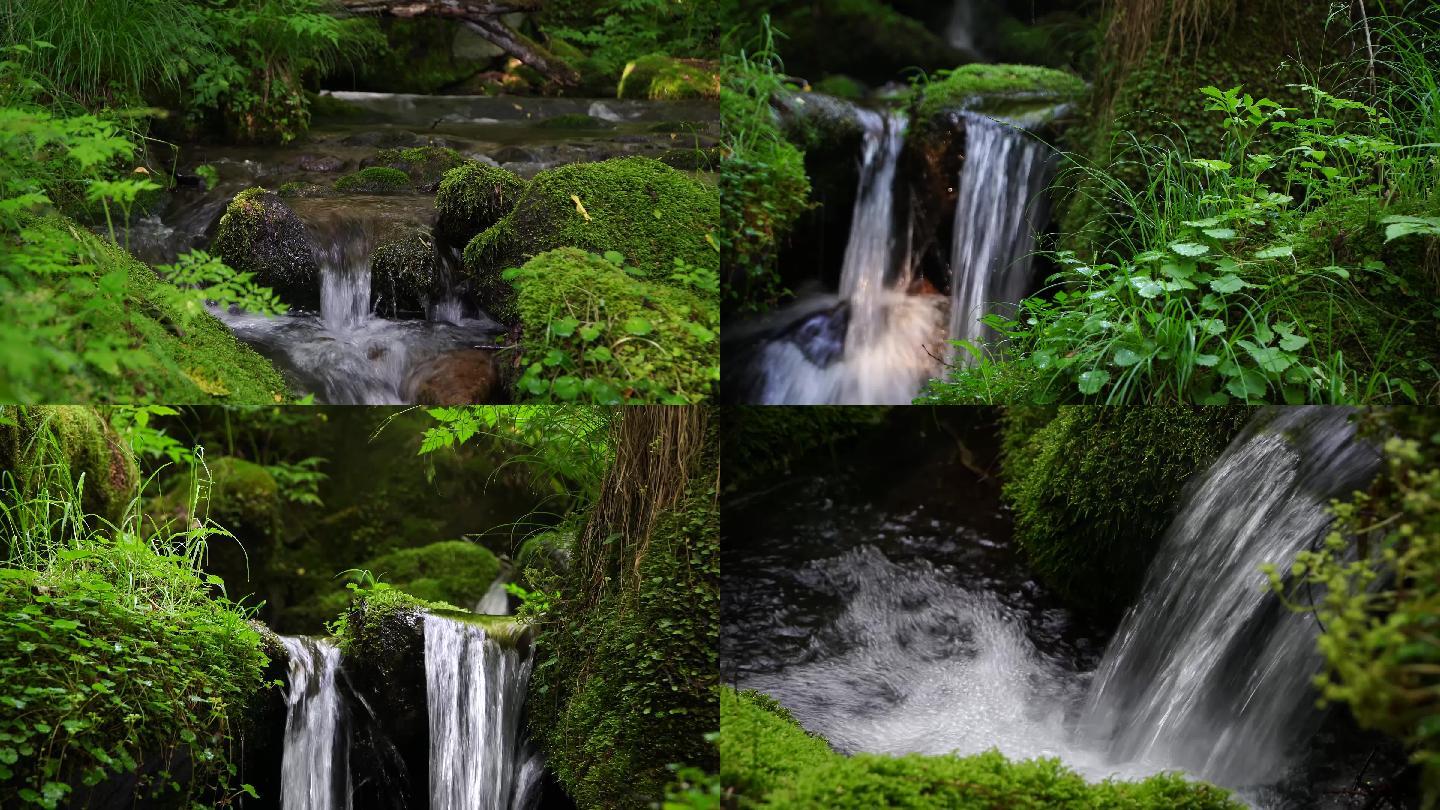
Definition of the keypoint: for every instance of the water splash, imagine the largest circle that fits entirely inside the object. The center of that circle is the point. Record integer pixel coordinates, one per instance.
(1002, 205)
(476, 693)
(315, 774)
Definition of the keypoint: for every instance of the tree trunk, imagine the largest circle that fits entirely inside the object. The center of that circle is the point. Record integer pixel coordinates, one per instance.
(483, 18)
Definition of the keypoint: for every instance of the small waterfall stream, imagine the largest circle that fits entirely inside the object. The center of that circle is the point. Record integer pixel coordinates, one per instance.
(882, 359)
(315, 774)
(1209, 673)
(1001, 207)
(480, 758)
(496, 601)
(960, 31)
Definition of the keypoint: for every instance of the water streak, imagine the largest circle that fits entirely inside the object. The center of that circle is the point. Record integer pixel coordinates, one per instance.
(476, 693)
(1002, 206)
(496, 601)
(315, 774)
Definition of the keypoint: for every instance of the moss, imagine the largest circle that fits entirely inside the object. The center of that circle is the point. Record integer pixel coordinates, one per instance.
(1094, 489)
(374, 180)
(259, 234)
(199, 362)
(39, 442)
(660, 77)
(971, 85)
(676, 358)
(574, 121)
(692, 159)
(453, 571)
(423, 165)
(842, 86)
(867, 39)
(638, 207)
(767, 758)
(403, 273)
(472, 197)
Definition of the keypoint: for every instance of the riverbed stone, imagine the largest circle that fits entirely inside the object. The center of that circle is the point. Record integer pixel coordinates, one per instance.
(320, 163)
(403, 273)
(260, 234)
(424, 165)
(374, 180)
(462, 377)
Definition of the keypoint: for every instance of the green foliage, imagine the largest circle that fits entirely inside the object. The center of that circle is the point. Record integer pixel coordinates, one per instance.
(763, 185)
(768, 760)
(472, 197)
(374, 180)
(613, 32)
(64, 464)
(595, 332)
(197, 277)
(1213, 302)
(1379, 573)
(659, 77)
(1094, 489)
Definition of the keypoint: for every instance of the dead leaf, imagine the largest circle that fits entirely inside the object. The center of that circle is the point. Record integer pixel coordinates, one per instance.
(579, 206)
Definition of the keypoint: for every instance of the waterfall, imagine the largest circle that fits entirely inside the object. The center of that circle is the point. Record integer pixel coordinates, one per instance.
(343, 250)
(315, 774)
(496, 601)
(883, 358)
(960, 32)
(1001, 206)
(479, 756)
(1209, 672)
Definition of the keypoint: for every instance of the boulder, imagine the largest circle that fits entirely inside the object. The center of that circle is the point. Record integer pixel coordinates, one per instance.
(424, 165)
(660, 77)
(260, 234)
(461, 377)
(472, 197)
(374, 180)
(403, 271)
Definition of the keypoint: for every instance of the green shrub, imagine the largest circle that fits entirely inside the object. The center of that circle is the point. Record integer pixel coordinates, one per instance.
(770, 761)
(374, 180)
(1094, 490)
(597, 331)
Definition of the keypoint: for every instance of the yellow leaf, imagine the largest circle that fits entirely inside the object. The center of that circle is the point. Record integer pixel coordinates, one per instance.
(579, 206)
(213, 388)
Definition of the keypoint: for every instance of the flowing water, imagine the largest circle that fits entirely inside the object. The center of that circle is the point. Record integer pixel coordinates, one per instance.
(480, 758)
(496, 601)
(871, 348)
(1002, 206)
(960, 31)
(315, 773)
(906, 628)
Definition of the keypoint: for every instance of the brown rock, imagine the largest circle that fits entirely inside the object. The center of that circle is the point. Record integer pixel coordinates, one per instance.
(461, 377)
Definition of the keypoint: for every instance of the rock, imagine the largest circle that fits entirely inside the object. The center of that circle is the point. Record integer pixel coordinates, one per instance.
(461, 377)
(390, 743)
(691, 159)
(424, 165)
(384, 139)
(574, 121)
(660, 77)
(260, 234)
(320, 163)
(294, 190)
(514, 154)
(374, 180)
(403, 274)
(472, 197)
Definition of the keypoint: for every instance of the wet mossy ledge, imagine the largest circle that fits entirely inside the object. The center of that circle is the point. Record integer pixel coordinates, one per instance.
(180, 356)
(768, 760)
(1001, 90)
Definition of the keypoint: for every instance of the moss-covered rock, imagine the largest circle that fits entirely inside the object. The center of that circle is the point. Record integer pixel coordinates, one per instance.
(692, 159)
(771, 761)
(842, 86)
(989, 87)
(454, 571)
(374, 180)
(189, 357)
(660, 77)
(632, 339)
(423, 165)
(638, 207)
(260, 234)
(403, 274)
(38, 443)
(472, 197)
(1094, 490)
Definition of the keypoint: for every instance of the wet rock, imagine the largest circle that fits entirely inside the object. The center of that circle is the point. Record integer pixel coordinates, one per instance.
(374, 180)
(298, 190)
(462, 377)
(385, 139)
(514, 154)
(403, 274)
(424, 165)
(260, 234)
(320, 163)
(384, 681)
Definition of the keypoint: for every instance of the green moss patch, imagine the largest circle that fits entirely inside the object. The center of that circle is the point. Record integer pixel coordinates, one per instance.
(767, 758)
(660, 77)
(593, 331)
(977, 86)
(472, 197)
(260, 234)
(423, 165)
(452, 571)
(374, 180)
(1094, 490)
(39, 442)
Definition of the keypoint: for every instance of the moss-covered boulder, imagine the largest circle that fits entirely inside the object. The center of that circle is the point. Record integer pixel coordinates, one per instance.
(472, 197)
(631, 339)
(260, 234)
(842, 86)
(769, 759)
(660, 77)
(374, 180)
(423, 165)
(453, 571)
(1094, 489)
(39, 443)
(996, 89)
(638, 207)
(185, 356)
(403, 274)
(239, 495)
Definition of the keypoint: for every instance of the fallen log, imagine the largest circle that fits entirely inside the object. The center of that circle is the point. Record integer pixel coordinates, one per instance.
(484, 18)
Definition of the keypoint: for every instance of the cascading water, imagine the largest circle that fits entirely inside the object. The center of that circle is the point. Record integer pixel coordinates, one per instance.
(882, 359)
(1209, 673)
(960, 31)
(1002, 204)
(315, 774)
(496, 601)
(479, 756)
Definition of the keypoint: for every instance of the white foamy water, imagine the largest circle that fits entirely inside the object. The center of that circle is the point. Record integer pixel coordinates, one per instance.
(315, 774)
(496, 601)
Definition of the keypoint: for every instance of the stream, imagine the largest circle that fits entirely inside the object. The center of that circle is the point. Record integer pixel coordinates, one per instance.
(882, 604)
(356, 348)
